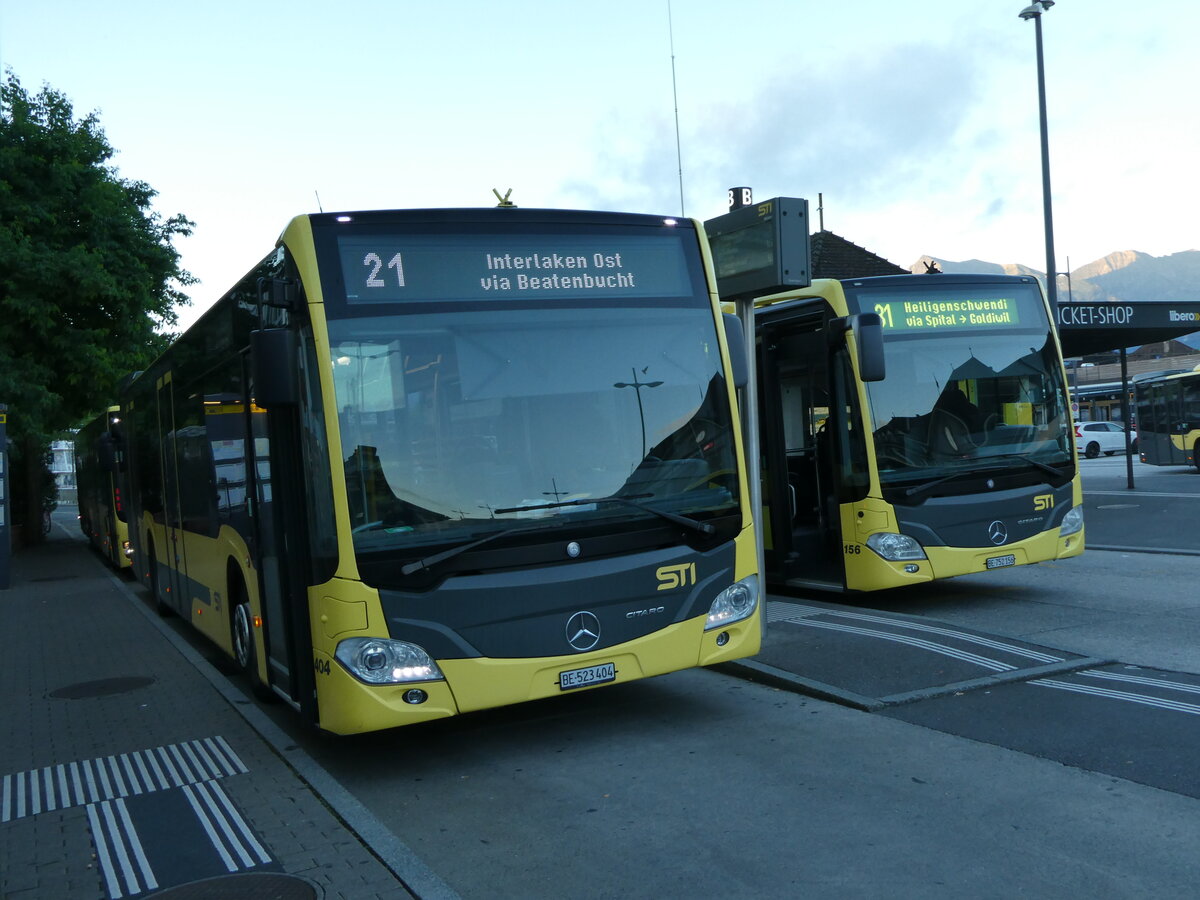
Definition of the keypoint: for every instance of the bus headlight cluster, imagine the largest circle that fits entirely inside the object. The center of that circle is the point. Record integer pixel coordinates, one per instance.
(382, 661)
(736, 602)
(895, 547)
(1072, 522)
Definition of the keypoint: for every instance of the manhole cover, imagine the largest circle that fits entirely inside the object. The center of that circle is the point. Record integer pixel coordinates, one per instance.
(251, 885)
(101, 688)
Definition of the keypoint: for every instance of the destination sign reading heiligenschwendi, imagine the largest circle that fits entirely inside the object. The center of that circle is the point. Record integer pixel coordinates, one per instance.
(401, 267)
(943, 313)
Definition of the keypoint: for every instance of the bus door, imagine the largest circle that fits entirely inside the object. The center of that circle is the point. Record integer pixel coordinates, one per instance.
(1162, 433)
(797, 416)
(171, 582)
(275, 467)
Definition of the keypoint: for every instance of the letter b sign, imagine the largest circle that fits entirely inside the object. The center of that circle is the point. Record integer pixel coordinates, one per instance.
(739, 197)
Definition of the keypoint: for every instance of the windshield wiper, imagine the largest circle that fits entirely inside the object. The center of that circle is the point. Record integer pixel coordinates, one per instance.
(429, 561)
(1045, 467)
(694, 524)
(921, 489)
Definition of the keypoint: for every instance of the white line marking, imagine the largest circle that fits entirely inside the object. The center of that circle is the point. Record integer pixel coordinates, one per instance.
(240, 821)
(234, 758)
(131, 880)
(1108, 693)
(135, 843)
(983, 661)
(207, 825)
(1142, 679)
(1036, 655)
(102, 855)
(220, 819)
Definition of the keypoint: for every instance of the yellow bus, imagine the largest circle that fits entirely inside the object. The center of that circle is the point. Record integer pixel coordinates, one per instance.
(423, 462)
(102, 516)
(1168, 419)
(956, 455)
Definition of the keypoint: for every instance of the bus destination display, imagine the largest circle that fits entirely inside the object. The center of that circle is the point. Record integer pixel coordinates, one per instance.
(389, 268)
(948, 314)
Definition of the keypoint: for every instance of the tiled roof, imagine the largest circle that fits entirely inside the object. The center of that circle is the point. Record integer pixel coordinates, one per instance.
(835, 257)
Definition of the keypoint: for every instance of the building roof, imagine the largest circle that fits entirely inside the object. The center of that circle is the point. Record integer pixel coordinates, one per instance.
(835, 257)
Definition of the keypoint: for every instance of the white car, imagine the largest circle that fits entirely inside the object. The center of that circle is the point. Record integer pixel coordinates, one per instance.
(1094, 438)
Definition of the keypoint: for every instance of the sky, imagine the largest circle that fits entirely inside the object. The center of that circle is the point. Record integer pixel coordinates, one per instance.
(914, 123)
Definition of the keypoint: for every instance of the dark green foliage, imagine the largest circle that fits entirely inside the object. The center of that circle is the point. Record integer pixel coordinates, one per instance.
(88, 274)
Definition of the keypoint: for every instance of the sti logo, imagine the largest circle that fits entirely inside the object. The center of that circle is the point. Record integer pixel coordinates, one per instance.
(1043, 502)
(671, 577)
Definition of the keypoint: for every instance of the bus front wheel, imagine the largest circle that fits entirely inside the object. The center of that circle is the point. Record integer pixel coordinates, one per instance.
(244, 653)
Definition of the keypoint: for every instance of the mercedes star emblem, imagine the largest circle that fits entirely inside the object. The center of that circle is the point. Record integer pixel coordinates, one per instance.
(997, 532)
(583, 631)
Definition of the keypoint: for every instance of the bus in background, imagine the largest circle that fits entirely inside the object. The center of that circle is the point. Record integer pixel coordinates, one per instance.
(912, 427)
(423, 462)
(960, 459)
(102, 516)
(1168, 419)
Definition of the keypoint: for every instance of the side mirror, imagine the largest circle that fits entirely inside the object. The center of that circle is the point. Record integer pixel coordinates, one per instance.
(106, 452)
(274, 360)
(868, 339)
(735, 337)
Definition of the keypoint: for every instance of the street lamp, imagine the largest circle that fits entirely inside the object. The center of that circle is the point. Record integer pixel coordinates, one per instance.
(1034, 11)
(637, 387)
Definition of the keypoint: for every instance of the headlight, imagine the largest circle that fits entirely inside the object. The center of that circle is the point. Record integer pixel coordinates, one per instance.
(380, 661)
(1072, 522)
(895, 547)
(736, 602)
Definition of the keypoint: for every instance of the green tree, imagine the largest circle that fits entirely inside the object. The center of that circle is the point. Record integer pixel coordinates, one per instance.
(88, 278)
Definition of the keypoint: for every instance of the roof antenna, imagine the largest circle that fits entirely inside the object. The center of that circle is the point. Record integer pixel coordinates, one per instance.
(318, 196)
(675, 98)
(821, 211)
(504, 201)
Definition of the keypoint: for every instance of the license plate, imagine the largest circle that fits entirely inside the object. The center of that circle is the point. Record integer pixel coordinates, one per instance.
(577, 678)
(999, 562)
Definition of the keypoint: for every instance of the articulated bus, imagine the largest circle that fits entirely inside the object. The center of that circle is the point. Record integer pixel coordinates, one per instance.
(423, 462)
(101, 502)
(956, 456)
(1168, 419)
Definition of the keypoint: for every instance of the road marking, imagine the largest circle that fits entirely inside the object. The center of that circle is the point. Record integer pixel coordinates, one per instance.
(800, 614)
(1127, 696)
(95, 780)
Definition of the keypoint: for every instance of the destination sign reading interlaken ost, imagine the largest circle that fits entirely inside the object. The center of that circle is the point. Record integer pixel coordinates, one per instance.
(390, 268)
(948, 314)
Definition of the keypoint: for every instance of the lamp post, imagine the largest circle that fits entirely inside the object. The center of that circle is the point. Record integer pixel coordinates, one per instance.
(1034, 11)
(637, 387)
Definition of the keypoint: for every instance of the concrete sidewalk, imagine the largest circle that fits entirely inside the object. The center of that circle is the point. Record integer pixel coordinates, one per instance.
(131, 767)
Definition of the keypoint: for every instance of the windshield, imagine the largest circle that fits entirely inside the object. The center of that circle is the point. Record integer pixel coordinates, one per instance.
(966, 389)
(455, 424)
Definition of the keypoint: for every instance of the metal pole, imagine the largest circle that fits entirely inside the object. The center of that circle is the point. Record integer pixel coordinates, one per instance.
(1051, 269)
(1125, 418)
(745, 312)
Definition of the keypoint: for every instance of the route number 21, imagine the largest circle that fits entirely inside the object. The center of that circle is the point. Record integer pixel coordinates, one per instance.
(376, 263)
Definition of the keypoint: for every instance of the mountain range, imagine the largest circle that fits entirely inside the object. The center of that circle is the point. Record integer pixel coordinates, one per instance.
(1121, 277)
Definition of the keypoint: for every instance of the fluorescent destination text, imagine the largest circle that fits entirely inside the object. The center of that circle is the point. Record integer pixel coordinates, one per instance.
(927, 315)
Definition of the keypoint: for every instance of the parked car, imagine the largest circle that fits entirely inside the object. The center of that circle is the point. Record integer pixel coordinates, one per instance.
(1094, 438)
